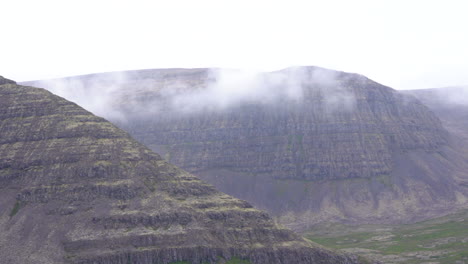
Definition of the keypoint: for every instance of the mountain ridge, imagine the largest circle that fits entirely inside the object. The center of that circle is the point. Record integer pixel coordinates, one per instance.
(315, 145)
(76, 189)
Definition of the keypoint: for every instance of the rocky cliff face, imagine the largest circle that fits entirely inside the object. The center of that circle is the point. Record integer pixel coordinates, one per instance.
(450, 104)
(314, 145)
(76, 189)
(6, 81)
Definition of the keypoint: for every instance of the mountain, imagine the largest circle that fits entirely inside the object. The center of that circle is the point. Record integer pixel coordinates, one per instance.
(450, 104)
(76, 189)
(307, 144)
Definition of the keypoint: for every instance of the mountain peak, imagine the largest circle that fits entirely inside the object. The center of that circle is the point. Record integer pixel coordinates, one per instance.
(6, 81)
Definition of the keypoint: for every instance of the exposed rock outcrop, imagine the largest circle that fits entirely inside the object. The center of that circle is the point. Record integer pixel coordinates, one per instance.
(5, 81)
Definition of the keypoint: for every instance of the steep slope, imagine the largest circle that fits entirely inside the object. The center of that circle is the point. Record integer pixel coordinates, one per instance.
(450, 104)
(314, 145)
(76, 189)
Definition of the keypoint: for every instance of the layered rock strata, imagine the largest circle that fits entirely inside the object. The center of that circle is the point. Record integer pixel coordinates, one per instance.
(76, 189)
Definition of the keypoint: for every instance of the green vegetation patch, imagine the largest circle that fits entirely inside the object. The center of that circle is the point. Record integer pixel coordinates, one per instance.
(444, 240)
(237, 261)
(231, 261)
(16, 208)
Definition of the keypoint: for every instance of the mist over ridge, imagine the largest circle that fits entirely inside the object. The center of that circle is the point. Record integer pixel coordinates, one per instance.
(305, 143)
(191, 91)
(76, 189)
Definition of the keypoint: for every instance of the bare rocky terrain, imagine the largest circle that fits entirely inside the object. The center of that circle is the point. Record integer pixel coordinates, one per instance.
(450, 104)
(76, 189)
(313, 146)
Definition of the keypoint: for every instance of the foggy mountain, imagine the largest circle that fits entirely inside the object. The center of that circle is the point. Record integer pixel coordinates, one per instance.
(76, 189)
(306, 143)
(450, 104)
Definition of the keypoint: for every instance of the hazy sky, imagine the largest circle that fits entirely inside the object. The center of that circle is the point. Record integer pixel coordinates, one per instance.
(403, 44)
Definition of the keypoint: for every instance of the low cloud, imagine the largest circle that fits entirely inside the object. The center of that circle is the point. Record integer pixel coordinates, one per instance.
(116, 95)
(94, 93)
(454, 95)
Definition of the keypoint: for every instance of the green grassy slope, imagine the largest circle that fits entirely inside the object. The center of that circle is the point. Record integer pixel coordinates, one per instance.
(443, 240)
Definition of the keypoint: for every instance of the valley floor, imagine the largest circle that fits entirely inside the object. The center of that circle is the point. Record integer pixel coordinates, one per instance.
(438, 241)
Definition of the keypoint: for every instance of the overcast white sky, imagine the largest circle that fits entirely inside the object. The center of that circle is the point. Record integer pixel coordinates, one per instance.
(404, 44)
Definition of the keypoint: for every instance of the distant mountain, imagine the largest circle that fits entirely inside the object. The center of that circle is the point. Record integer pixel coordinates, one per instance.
(307, 144)
(76, 189)
(450, 104)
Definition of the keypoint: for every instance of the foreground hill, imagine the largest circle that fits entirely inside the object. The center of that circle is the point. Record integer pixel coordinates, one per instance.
(307, 144)
(76, 189)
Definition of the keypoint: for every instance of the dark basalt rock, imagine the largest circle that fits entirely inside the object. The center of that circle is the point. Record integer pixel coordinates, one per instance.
(6, 81)
(450, 104)
(76, 189)
(349, 150)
